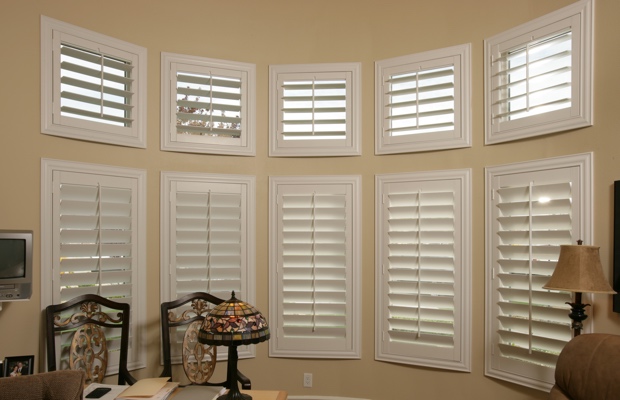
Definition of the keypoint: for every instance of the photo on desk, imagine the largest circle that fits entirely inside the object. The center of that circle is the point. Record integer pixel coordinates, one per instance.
(17, 366)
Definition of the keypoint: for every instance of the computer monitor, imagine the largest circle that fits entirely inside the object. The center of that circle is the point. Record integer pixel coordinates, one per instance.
(15, 265)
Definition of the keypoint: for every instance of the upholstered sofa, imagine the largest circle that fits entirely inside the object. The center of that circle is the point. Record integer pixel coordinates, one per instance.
(588, 368)
(57, 385)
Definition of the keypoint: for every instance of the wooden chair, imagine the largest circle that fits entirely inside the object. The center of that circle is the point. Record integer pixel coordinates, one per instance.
(82, 324)
(198, 360)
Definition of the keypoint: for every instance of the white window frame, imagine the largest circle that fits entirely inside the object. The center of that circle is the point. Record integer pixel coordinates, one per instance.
(350, 145)
(576, 18)
(426, 350)
(316, 345)
(50, 237)
(177, 182)
(245, 145)
(458, 57)
(53, 34)
(576, 169)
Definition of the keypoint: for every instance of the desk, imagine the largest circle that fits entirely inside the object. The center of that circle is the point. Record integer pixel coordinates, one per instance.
(266, 394)
(204, 393)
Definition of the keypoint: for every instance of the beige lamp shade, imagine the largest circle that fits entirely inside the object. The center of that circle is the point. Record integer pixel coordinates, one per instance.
(579, 269)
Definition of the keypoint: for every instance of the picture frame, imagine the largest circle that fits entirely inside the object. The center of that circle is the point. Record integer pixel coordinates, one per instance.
(18, 365)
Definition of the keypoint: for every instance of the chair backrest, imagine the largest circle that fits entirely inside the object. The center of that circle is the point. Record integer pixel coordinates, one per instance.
(198, 360)
(82, 325)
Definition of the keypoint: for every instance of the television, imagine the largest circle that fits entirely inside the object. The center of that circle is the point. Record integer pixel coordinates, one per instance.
(15, 265)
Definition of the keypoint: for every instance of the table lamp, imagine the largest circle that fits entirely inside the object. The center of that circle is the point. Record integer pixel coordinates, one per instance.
(233, 323)
(579, 270)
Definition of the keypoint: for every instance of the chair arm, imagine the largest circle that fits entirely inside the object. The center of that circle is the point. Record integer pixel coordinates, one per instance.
(246, 384)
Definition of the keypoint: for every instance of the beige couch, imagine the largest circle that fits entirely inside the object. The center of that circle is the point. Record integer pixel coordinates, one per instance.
(588, 369)
(57, 385)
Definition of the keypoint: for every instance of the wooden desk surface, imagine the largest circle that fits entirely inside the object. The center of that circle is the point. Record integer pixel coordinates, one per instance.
(266, 394)
(198, 392)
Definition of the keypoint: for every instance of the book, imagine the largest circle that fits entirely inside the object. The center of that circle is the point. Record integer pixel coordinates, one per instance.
(150, 388)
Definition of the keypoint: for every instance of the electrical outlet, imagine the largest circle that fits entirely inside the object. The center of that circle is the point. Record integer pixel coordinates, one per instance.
(307, 380)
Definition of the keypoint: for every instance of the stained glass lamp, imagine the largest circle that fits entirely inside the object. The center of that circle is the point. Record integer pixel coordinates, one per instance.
(233, 323)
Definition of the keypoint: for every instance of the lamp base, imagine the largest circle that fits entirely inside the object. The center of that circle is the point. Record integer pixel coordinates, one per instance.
(235, 395)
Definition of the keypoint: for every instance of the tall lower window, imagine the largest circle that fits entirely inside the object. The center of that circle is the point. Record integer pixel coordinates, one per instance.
(93, 241)
(532, 209)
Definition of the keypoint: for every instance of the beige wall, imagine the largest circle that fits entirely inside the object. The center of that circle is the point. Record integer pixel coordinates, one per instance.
(294, 31)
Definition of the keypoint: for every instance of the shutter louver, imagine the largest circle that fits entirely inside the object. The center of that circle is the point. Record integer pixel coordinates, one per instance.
(95, 86)
(314, 270)
(208, 251)
(420, 102)
(208, 105)
(534, 79)
(314, 109)
(420, 231)
(534, 221)
(95, 241)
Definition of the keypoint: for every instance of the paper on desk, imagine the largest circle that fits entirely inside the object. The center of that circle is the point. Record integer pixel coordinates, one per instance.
(146, 388)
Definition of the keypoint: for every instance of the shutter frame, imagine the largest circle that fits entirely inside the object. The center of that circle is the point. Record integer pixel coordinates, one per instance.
(291, 267)
(445, 345)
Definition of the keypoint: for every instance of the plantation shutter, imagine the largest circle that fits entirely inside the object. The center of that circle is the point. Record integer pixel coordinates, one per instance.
(533, 213)
(533, 79)
(314, 107)
(95, 220)
(208, 238)
(315, 271)
(422, 309)
(420, 101)
(209, 103)
(95, 83)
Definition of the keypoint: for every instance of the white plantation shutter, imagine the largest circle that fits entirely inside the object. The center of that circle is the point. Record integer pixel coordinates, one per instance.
(92, 86)
(531, 214)
(203, 102)
(208, 240)
(95, 86)
(422, 101)
(539, 76)
(314, 310)
(96, 236)
(94, 219)
(423, 269)
(208, 105)
(314, 110)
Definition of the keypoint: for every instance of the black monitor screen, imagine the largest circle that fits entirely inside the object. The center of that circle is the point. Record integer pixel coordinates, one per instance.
(12, 258)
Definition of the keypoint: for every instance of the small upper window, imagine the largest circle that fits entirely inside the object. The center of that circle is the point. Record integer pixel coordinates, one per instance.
(538, 76)
(208, 106)
(422, 101)
(314, 110)
(93, 87)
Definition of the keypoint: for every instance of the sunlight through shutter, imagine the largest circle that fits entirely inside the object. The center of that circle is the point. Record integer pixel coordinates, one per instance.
(535, 79)
(534, 220)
